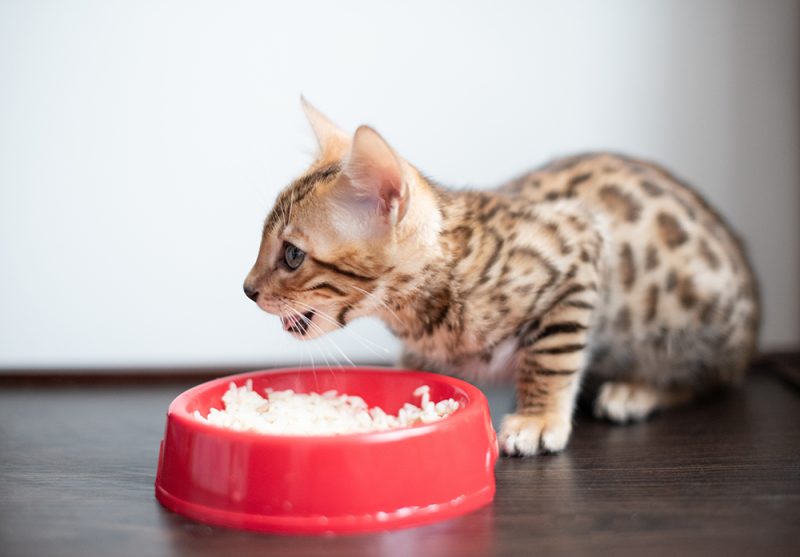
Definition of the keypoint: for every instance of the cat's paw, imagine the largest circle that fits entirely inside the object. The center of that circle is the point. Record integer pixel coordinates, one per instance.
(625, 402)
(526, 435)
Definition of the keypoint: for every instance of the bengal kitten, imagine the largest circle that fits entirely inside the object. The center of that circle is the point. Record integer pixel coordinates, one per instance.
(598, 264)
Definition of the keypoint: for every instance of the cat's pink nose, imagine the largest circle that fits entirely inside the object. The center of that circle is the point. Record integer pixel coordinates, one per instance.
(250, 293)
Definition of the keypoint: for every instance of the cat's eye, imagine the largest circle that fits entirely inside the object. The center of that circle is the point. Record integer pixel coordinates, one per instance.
(293, 256)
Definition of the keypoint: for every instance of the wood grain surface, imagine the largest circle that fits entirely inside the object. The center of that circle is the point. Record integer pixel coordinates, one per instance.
(78, 461)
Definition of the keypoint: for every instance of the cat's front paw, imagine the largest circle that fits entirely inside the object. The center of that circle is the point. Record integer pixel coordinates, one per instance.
(526, 435)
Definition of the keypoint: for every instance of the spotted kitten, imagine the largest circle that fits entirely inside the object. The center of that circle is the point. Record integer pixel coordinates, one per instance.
(596, 264)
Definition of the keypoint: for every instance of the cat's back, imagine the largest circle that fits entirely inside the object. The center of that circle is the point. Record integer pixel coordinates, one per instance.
(645, 205)
(672, 261)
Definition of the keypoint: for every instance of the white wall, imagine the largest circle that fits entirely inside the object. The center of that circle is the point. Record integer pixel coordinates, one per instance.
(141, 143)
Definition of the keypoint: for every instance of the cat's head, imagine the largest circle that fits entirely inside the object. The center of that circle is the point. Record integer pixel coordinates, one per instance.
(340, 233)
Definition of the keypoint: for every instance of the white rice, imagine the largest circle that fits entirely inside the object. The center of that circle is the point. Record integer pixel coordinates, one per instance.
(329, 413)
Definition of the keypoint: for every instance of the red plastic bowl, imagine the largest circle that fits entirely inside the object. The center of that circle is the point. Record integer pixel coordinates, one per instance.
(319, 484)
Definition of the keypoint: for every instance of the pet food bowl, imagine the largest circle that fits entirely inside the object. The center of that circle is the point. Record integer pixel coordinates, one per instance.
(329, 484)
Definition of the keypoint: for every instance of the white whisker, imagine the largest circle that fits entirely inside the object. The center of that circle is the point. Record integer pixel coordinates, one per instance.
(308, 351)
(365, 342)
(318, 329)
(381, 302)
(348, 360)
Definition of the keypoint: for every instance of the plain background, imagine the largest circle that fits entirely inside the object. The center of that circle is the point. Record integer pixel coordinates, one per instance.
(142, 143)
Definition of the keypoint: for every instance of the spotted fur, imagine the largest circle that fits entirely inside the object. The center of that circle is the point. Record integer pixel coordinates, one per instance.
(598, 263)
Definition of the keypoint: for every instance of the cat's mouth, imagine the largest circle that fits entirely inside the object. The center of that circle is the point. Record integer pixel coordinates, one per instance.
(298, 323)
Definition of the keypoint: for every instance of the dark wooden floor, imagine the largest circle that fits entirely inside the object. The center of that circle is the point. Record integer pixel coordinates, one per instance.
(77, 465)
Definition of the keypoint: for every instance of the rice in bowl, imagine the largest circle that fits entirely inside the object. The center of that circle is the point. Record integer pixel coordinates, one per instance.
(328, 413)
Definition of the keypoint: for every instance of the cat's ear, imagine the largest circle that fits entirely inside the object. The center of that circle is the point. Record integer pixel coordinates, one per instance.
(375, 174)
(329, 136)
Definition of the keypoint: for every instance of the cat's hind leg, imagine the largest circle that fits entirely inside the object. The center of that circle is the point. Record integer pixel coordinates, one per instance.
(667, 370)
(625, 402)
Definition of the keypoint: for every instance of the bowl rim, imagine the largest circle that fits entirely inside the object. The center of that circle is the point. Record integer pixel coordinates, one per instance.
(177, 411)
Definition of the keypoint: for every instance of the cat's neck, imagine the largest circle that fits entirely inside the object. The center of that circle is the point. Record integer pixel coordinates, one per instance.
(421, 240)
(418, 234)
(427, 258)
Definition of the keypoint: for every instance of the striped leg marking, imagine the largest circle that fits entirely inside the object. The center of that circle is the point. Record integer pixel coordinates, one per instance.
(552, 360)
